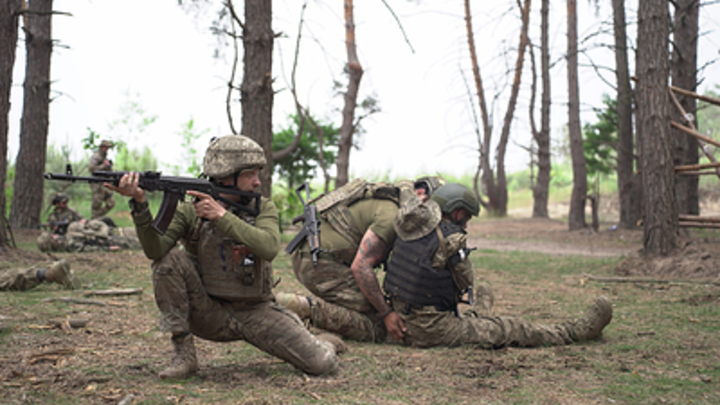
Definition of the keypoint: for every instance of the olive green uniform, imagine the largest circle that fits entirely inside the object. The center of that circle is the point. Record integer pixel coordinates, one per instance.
(102, 198)
(338, 305)
(182, 284)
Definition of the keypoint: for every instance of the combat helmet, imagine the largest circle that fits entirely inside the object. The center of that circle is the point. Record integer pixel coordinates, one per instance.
(429, 183)
(231, 154)
(58, 198)
(453, 195)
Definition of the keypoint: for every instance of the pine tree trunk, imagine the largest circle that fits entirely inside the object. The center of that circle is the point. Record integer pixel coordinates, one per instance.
(627, 184)
(576, 217)
(684, 71)
(542, 187)
(256, 92)
(660, 212)
(30, 164)
(8, 44)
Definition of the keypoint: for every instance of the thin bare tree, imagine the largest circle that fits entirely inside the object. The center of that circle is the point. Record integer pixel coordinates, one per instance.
(576, 216)
(542, 137)
(495, 183)
(355, 72)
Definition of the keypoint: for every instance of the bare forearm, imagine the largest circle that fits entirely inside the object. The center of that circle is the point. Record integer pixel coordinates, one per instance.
(371, 251)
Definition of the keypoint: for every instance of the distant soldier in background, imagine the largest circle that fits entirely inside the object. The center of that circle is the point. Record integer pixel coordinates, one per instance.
(68, 231)
(28, 278)
(62, 215)
(100, 194)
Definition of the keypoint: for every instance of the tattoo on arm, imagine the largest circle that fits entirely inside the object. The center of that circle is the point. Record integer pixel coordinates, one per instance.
(371, 251)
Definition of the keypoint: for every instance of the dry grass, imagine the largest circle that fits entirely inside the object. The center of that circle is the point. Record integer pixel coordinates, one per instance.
(663, 345)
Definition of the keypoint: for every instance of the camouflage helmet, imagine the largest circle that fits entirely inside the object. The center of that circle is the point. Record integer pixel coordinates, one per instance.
(429, 183)
(416, 219)
(453, 195)
(59, 197)
(231, 154)
(107, 143)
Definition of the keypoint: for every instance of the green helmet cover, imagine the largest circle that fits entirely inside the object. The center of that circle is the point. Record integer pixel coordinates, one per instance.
(453, 195)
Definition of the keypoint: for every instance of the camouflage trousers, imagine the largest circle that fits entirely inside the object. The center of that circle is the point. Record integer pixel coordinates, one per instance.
(102, 200)
(19, 279)
(185, 306)
(338, 305)
(428, 327)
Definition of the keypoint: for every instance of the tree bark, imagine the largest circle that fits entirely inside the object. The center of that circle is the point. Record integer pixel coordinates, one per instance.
(542, 186)
(30, 164)
(8, 45)
(628, 186)
(684, 72)
(660, 211)
(355, 71)
(256, 92)
(576, 217)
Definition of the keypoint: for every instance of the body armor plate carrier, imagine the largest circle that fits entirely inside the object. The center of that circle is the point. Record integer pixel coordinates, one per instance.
(411, 277)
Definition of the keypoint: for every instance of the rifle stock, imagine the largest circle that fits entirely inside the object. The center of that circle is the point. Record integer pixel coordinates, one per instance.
(173, 188)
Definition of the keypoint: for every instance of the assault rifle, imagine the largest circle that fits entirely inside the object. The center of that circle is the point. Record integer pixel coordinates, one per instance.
(61, 226)
(173, 188)
(310, 230)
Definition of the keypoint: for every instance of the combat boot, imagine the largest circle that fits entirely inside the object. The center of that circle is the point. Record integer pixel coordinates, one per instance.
(60, 273)
(184, 361)
(590, 326)
(299, 304)
(334, 340)
(484, 300)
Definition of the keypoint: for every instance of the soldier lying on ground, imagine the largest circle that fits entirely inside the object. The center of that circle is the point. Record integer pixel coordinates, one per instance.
(430, 269)
(16, 279)
(219, 286)
(356, 234)
(71, 232)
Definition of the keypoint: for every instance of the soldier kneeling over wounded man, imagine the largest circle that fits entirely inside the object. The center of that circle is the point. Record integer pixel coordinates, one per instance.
(430, 270)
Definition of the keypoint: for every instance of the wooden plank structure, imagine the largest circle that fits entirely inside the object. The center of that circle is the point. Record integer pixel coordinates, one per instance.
(712, 168)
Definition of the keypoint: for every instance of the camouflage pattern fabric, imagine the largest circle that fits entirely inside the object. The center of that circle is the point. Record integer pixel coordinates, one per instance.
(185, 306)
(64, 215)
(102, 198)
(231, 154)
(416, 219)
(428, 327)
(338, 305)
(89, 236)
(19, 279)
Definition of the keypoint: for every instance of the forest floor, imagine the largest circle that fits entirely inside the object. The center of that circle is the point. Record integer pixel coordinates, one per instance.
(663, 345)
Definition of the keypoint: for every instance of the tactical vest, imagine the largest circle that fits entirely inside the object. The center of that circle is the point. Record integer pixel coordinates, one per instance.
(229, 270)
(411, 277)
(333, 208)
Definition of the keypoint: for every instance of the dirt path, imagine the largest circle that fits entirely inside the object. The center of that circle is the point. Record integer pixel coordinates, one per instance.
(551, 237)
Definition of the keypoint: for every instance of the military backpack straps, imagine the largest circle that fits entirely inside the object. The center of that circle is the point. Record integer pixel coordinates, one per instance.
(333, 206)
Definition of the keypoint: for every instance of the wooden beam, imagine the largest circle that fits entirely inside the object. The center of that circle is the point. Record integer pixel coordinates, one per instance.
(695, 95)
(696, 134)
